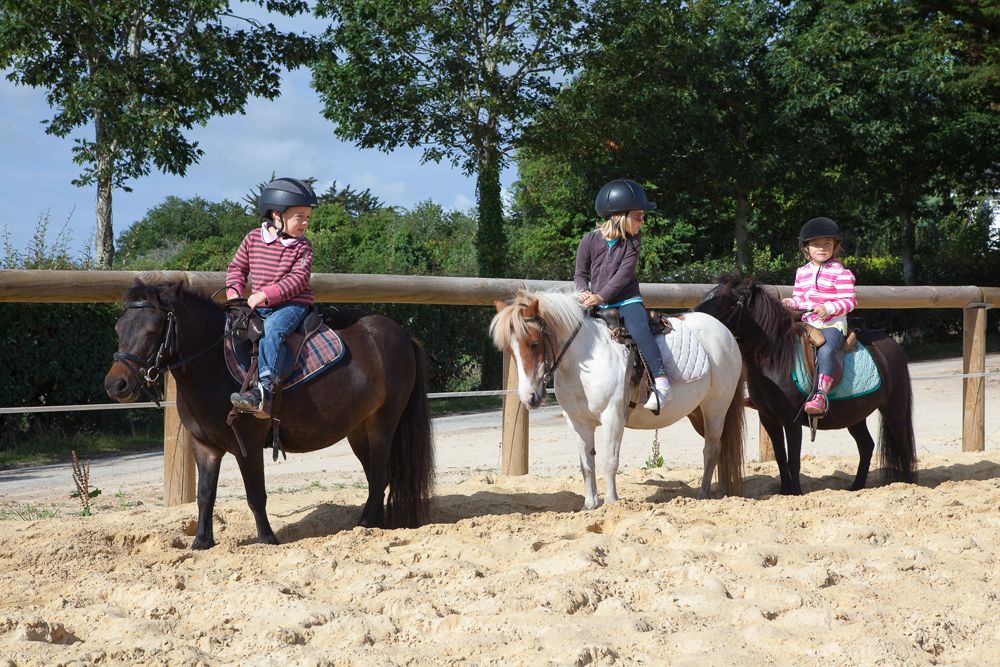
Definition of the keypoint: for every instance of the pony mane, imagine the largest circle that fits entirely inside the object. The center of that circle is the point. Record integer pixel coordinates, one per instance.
(561, 311)
(772, 344)
(779, 329)
(166, 294)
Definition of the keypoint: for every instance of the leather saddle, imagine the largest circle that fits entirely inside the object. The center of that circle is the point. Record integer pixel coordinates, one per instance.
(812, 339)
(246, 327)
(659, 325)
(639, 378)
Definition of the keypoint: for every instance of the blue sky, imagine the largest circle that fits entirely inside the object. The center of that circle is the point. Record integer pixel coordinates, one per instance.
(287, 136)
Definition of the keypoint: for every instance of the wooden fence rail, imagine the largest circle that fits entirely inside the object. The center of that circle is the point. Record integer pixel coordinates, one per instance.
(51, 286)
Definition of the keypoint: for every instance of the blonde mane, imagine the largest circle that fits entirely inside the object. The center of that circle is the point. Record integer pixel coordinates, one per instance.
(560, 310)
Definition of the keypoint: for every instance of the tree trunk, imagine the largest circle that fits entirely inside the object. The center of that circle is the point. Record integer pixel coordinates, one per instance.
(104, 237)
(491, 249)
(906, 241)
(744, 253)
(491, 244)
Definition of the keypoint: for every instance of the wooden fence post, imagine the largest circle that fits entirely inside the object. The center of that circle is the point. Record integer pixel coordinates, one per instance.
(514, 445)
(766, 447)
(974, 388)
(178, 456)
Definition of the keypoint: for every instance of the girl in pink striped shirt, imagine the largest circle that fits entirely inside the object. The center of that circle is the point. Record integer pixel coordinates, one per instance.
(825, 290)
(278, 257)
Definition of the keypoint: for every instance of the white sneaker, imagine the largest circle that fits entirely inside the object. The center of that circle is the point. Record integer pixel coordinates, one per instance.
(658, 397)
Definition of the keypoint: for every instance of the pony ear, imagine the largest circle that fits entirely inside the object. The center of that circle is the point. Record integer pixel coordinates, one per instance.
(530, 309)
(500, 305)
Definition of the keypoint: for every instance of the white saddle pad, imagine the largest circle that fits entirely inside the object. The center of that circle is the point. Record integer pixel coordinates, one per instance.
(683, 354)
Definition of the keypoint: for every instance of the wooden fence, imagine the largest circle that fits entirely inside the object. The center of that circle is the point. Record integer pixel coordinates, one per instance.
(47, 286)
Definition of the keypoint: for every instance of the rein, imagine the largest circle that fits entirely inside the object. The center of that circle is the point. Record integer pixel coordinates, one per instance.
(148, 371)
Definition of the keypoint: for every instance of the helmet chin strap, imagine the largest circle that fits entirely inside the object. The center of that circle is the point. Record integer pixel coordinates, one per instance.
(279, 228)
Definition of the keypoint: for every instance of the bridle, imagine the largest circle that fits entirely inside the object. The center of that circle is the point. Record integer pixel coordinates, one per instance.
(148, 371)
(548, 350)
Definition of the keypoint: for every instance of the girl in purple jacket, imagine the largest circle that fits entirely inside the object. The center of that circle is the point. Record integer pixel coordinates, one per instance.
(605, 272)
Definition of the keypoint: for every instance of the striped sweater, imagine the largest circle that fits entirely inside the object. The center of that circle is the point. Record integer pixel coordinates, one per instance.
(830, 284)
(280, 271)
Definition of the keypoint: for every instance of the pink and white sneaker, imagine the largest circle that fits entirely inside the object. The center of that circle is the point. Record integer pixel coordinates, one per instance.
(817, 404)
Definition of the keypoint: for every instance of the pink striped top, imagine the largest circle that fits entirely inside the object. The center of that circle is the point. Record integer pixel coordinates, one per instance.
(830, 284)
(280, 271)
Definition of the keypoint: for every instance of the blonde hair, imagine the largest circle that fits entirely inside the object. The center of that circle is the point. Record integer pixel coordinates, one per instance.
(616, 226)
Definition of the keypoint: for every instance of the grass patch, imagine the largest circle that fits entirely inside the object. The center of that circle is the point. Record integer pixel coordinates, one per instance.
(57, 448)
(27, 513)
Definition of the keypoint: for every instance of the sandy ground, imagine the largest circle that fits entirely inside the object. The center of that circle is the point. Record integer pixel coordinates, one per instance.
(509, 572)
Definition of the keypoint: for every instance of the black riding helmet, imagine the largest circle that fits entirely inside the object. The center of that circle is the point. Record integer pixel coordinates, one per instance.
(282, 193)
(621, 196)
(819, 228)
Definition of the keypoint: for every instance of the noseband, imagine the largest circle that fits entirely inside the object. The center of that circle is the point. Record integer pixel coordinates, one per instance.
(148, 371)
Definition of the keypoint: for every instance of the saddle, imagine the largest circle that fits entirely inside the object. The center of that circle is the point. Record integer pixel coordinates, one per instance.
(640, 376)
(244, 329)
(812, 339)
(659, 325)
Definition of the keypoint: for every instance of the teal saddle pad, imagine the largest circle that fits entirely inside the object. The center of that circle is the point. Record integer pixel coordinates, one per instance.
(861, 375)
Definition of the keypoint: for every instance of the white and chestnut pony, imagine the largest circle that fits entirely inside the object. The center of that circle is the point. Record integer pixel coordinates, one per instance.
(549, 334)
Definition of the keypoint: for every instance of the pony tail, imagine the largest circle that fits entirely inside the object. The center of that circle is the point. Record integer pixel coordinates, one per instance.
(411, 456)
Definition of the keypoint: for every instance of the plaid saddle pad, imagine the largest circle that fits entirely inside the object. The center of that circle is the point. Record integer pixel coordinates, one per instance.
(320, 351)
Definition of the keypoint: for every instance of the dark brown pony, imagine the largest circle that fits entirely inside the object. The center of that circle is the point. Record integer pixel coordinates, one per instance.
(376, 397)
(768, 335)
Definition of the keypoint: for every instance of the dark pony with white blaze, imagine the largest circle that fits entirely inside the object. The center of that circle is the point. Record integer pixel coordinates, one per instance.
(769, 335)
(376, 398)
(548, 334)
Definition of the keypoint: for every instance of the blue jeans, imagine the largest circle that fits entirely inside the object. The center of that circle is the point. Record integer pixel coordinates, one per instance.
(637, 322)
(826, 356)
(278, 323)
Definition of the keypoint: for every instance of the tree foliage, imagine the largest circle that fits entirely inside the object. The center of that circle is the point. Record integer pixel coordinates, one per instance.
(141, 74)
(185, 234)
(748, 117)
(879, 77)
(460, 79)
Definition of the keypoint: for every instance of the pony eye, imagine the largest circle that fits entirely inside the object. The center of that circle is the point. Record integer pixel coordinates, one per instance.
(533, 344)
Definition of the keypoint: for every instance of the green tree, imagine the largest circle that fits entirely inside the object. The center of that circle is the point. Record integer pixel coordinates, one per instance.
(184, 234)
(677, 95)
(975, 25)
(459, 78)
(879, 76)
(140, 74)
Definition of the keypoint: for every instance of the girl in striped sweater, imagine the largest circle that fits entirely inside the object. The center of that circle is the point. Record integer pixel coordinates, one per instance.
(825, 290)
(278, 258)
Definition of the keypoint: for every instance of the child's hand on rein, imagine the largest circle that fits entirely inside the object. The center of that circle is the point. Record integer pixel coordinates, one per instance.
(256, 299)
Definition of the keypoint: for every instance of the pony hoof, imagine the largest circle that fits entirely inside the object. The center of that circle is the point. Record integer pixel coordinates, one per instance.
(202, 545)
(268, 539)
